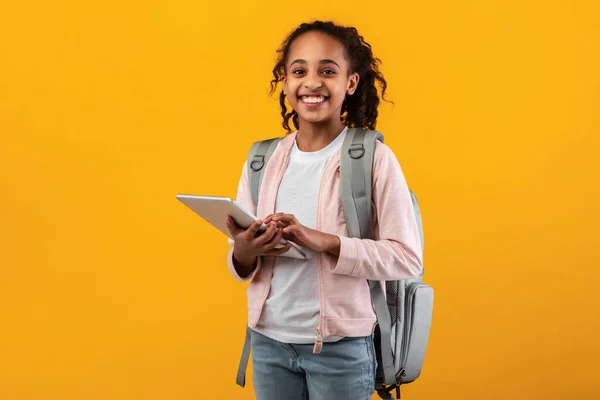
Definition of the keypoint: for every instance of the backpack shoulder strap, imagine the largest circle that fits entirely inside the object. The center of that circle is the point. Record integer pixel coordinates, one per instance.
(243, 366)
(356, 174)
(258, 157)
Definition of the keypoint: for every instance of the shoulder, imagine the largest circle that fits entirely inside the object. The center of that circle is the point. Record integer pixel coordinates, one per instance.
(383, 155)
(383, 150)
(386, 167)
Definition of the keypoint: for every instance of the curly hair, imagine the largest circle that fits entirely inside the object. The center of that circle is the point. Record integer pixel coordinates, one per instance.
(358, 110)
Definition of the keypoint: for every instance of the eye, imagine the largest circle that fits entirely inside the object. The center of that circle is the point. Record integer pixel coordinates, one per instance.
(329, 72)
(297, 72)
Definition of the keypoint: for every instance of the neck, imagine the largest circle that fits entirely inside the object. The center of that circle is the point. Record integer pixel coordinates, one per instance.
(314, 137)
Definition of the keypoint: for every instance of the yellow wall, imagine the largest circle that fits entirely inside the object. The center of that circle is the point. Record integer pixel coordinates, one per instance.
(111, 289)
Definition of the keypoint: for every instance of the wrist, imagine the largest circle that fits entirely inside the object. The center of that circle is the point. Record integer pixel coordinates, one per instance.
(244, 265)
(332, 244)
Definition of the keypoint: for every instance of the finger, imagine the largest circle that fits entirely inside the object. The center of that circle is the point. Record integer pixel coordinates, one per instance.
(252, 229)
(281, 224)
(233, 228)
(271, 244)
(291, 229)
(287, 218)
(266, 236)
(271, 217)
(289, 236)
(293, 233)
(276, 252)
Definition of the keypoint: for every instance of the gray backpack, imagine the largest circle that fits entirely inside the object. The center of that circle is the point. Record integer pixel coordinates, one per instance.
(404, 307)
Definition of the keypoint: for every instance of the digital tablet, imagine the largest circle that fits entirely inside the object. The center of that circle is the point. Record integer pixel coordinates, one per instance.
(215, 210)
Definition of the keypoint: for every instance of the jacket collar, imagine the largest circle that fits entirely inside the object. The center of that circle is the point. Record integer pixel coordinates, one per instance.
(287, 142)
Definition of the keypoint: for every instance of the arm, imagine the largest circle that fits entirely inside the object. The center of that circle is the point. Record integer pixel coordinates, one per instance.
(395, 252)
(241, 267)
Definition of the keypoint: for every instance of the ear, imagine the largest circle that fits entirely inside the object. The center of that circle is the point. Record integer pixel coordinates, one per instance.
(352, 83)
(284, 84)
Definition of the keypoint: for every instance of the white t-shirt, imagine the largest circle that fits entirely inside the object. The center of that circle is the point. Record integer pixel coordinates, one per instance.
(284, 319)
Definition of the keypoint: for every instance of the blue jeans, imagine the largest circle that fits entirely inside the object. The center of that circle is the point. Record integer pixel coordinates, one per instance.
(343, 370)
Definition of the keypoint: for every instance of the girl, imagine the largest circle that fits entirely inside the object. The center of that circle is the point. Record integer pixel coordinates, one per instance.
(312, 320)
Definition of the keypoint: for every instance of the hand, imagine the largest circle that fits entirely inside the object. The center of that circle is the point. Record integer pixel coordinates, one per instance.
(305, 237)
(250, 243)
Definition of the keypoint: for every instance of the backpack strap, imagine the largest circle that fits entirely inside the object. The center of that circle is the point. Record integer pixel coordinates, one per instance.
(356, 174)
(356, 182)
(241, 374)
(258, 157)
(384, 322)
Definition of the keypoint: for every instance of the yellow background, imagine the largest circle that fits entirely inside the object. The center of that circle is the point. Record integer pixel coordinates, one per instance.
(111, 289)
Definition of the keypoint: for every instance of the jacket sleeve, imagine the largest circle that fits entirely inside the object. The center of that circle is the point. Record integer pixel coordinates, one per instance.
(244, 198)
(395, 253)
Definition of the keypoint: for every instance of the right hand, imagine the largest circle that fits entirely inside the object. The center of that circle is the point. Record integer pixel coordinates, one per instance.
(249, 243)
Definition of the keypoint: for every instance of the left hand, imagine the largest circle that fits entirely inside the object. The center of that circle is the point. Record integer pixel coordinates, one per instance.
(303, 236)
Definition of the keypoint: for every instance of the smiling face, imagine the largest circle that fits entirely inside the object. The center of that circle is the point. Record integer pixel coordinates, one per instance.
(317, 78)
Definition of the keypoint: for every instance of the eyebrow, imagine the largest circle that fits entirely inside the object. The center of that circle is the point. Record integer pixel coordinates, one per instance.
(326, 61)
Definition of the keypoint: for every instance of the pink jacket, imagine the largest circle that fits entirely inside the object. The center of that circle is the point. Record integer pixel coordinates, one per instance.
(395, 252)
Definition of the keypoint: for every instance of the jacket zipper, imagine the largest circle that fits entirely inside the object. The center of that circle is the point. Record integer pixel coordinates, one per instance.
(319, 330)
(286, 161)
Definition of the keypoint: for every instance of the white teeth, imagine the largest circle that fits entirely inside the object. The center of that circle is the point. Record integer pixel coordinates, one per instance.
(313, 99)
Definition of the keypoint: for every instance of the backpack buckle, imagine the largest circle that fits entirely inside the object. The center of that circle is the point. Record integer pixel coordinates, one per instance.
(400, 376)
(260, 161)
(354, 148)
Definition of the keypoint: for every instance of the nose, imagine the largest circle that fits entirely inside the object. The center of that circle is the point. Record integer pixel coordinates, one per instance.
(313, 81)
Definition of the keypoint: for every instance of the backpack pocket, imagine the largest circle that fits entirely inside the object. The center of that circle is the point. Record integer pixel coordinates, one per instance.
(418, 310)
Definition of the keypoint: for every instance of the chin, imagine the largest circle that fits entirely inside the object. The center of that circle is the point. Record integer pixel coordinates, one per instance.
(315, 119)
